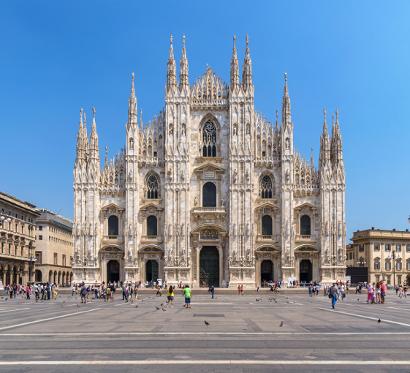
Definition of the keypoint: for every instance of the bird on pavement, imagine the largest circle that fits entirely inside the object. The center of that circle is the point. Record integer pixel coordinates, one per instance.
(379, 321)
(258, 299)
(358, 299)
(164, 309)
(157, 308)
(136, 306)
(281, 324)
(206, 323)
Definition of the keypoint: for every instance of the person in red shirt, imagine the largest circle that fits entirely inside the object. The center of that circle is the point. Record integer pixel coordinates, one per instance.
(383, 288)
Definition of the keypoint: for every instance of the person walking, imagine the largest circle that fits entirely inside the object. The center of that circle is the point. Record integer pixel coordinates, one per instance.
(187, 295)
(333, 295)
(212, 291)
(170, 295)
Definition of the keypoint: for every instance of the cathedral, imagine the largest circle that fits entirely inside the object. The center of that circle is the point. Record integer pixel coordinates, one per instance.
(209, 192)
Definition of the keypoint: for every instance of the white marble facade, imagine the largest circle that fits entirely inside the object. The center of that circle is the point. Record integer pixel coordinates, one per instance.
(209, 192)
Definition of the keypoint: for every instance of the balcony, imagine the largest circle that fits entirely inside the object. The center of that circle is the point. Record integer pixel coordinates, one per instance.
(115, 240)
(267, 238)
(151, 239)
(306, 238)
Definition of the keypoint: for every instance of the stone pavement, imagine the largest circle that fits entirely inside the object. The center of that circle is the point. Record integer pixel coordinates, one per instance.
(247, 333)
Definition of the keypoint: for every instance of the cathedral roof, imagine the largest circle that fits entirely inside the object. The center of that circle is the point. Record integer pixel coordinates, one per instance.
(209, 89)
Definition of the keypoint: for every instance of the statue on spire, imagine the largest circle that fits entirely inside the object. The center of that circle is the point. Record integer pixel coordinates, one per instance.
(247, 68)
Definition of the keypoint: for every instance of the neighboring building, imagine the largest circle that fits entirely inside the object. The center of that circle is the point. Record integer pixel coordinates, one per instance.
(209, 192)
(54, 249)
(17, 240)
(384, 253)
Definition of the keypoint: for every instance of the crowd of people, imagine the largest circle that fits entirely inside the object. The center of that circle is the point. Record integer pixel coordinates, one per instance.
(40, 291)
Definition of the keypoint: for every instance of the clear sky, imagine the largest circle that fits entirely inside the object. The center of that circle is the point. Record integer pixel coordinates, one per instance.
(56, 57)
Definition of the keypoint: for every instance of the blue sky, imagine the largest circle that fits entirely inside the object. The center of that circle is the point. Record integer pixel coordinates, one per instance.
(56, 57)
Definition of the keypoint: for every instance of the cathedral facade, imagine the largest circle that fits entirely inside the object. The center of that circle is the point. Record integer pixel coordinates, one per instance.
(209, 192)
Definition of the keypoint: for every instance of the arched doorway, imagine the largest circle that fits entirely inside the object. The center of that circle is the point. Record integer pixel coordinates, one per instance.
(266, 272)
(38, 276)
(113, 271)
(209, 266)
(151, 270)
(305, 270)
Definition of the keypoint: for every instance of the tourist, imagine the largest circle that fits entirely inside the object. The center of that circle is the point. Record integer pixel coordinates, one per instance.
(333, 295)
(383, 290)
(212, 291)
(187, 295)
(170, 295)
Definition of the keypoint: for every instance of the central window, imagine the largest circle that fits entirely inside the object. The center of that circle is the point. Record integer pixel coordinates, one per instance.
(209, 140)
(209, 195)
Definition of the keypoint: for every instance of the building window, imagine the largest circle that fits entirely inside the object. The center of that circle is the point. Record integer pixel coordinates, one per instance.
(40, 227)
(376, 264)
(266, 225)
(408, 264)
(39, 257)
(40, 237)
(64, 260)
(408, 248)
(266, 187)
(305, 225)
(398, 248)
(209, 140)
(113, 225)
(55, 259)
(376, 247)
(151, 226)
(152, 185)
(387, 265)
(209, 195)
(387, 247)
(361, 248)
(398, 265)
(399, 279)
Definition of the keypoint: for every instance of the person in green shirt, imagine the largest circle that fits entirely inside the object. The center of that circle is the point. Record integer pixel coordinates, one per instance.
(187, 295)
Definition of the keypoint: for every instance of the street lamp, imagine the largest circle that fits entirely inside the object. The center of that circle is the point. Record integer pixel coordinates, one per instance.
(393, 256)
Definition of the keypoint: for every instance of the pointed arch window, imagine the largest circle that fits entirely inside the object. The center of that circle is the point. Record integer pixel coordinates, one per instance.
(305, 226)
(266, 187)
(152, 186)
(209, 139)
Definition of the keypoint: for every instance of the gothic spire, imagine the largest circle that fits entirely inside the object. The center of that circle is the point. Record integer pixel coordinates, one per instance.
(234, 66)
(183, 64)
(336, 143)
(324, 142)
(80, 156)
(247, 68)
(106, 157)
(286, 114)
(85, 135)
(171, 68)
(94, 152)
(132, 105)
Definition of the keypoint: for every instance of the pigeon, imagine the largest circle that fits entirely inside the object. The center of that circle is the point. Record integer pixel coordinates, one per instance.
(164, 309)
(258, 299)
(157, 308)
(281, 324)
(358, 299)
(379, 321)
(206, 323)
(136, 306)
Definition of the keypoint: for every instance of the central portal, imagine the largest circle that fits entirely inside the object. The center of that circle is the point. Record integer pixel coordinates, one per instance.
(209, 266)
(151, 271)
(305, 270)
(113, 271)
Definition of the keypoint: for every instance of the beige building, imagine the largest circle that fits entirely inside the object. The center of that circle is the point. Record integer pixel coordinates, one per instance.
(17, 240)
(54, 249)
(385, 253)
